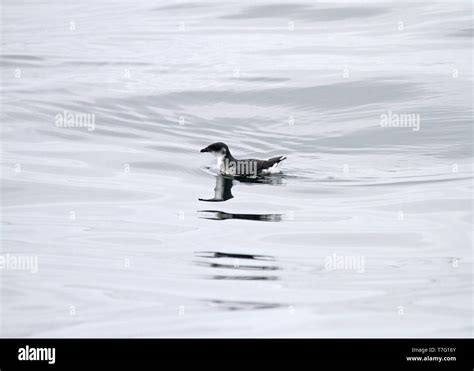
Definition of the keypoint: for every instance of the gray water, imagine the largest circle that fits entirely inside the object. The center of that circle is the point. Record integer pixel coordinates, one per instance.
(110, 212)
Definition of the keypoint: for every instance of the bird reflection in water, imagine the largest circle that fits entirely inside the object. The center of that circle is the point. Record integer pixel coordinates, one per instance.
(223, 192)
(235, 268)
(222, 215)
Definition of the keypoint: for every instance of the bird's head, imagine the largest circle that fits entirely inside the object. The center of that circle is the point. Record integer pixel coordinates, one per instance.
(218, 149)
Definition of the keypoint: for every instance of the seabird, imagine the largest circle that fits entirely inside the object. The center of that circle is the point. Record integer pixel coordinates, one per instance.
(229, 165)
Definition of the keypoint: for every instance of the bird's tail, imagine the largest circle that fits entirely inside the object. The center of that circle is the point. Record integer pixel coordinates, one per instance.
(276, 160)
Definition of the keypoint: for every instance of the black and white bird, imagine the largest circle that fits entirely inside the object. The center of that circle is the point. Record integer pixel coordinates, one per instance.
(229, 165)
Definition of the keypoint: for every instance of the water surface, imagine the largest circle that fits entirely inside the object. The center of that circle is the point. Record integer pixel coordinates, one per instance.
(125, 246)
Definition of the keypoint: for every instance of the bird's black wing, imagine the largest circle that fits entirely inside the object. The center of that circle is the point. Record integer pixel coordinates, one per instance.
(266, 164)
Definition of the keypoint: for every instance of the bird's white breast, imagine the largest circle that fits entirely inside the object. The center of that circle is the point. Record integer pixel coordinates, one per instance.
(221, 162)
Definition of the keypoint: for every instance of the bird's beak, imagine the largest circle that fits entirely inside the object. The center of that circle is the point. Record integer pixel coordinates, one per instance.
(205, 150)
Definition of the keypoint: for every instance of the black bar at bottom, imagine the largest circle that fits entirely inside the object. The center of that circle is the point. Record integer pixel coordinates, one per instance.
(446, 353)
